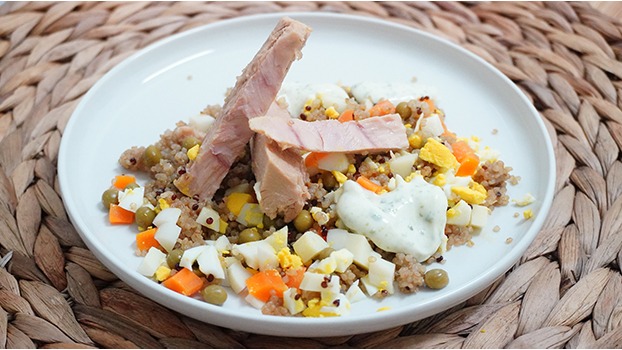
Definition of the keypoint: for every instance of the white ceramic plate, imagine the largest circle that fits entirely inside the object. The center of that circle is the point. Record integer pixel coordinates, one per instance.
(176, 77)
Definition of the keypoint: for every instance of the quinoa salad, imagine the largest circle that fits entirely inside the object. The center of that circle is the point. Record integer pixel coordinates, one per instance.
(305, 199)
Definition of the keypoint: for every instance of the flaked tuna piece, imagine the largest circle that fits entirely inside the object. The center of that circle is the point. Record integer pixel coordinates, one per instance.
(253, 93)
(376, 134)
(281, 174)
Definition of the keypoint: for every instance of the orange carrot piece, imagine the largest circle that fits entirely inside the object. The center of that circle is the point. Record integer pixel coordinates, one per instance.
(294, 277)
(262, 284)
(383, 107)
(346, 116)
(461, 150)
(184, 282)
(313, 159)
(368, 184)
(118, 215)
(465, 155)
(121, 181)
(146, 239)
(468, 166)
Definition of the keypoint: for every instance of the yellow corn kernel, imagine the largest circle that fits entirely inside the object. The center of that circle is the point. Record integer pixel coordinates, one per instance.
(193, 152)
(163, 204)
(331, 113)
(381, 169)
(351, 169)
(451, 212)
(408, 126)
(339, 176)
(415, 141)
(528, 214)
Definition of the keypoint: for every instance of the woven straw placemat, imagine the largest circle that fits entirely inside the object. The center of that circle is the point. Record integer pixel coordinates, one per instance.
(565, 292)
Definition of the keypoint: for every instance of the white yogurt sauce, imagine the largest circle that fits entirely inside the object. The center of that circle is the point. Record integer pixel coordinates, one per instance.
(400, 92)
(410, 219)
(297, 94)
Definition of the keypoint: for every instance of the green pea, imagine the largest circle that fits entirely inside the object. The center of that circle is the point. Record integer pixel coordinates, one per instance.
(303, 221)
(403, 110)
(329, 181)
(190, 142)
(174, 257)
(214, 294)
(144, 217)
(110, 196)
(249, 235)
(436, 278)
(267, 222)
(152, 156)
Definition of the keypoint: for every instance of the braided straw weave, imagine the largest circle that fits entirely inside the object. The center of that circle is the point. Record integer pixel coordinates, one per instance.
(565, 292)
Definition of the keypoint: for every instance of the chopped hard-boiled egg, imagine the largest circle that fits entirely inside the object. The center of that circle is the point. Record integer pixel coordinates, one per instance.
(167, 215)
(154, 259)
(209, 262)
(355, 293)
(356, 244)
(292, 301)
(250, 215)
(432, 126)
(162, 273)
(438, 154)
(403, 165)
(479, 216)
(201, 121)
(527, 199)
(333, 162)
(381, 274)
(473, 194)
(488, 154)
(167, 235)
(459, 214)
(131, 198)
(343, 259)
(309, 245)
(287, 260)
(237, 274)
(278, 239)
(326, 265)
(211, 219)
(236, 200)
(190, 256)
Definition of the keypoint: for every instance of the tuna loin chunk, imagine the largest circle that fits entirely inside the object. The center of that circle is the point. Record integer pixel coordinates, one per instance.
(253, 93)
(281, 174)
(376, 134)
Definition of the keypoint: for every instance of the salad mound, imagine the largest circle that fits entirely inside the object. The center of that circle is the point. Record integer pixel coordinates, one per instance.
(326, 258)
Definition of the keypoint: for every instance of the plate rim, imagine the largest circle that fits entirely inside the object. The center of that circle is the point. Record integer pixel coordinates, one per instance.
(334, 326)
